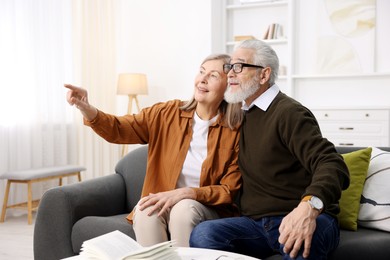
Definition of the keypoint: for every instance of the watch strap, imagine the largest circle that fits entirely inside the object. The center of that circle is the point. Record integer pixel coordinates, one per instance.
(307, 198)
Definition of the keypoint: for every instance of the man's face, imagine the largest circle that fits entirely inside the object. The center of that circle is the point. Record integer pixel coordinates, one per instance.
(244, 84)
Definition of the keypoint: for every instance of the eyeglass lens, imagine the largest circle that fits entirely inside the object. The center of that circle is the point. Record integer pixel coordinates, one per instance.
(237, 67)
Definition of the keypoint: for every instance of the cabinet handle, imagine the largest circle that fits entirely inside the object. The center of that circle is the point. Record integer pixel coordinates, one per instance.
(345, 128)
(346, 144)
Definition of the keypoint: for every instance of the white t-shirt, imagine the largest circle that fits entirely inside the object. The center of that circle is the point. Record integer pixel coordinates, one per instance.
(190, 173)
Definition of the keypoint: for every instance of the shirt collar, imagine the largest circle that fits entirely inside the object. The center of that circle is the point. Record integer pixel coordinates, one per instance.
(264, 100)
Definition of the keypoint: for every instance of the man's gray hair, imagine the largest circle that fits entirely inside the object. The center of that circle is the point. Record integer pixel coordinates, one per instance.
(264, 56)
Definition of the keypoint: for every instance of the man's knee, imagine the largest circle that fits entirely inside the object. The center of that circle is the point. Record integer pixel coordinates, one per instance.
(198, 235)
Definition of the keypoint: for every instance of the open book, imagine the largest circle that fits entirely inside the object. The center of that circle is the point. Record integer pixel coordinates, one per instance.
(118, 246)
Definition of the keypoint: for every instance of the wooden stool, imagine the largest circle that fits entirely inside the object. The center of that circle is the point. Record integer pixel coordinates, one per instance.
(35, 175)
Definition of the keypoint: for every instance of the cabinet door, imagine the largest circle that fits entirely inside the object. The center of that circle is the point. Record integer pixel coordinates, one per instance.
(359, 141)
(352, 114)
(348, 128)
(355, 127)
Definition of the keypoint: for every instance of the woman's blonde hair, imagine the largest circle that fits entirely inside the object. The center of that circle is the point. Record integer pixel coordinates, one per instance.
(231, 114)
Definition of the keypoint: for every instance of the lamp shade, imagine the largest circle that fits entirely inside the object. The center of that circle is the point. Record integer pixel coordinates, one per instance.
(132, 84)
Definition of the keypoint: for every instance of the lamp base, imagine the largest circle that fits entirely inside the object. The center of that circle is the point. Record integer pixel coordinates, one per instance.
(125, 147)
(130, 105)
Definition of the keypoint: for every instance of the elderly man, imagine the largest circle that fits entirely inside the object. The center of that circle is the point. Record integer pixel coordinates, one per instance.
(292, 176)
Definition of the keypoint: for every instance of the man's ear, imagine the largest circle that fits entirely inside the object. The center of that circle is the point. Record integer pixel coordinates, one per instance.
(265, 75)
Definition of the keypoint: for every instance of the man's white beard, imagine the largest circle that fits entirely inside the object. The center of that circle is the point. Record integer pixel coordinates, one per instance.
(246, 90)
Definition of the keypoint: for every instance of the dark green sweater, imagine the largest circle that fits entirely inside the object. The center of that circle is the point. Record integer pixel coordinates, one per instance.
(284, 157)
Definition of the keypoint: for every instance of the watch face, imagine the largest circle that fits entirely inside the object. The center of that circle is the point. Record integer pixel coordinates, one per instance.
(317, 203)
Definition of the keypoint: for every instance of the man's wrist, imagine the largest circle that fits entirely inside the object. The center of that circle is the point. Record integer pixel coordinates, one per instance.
(314, 202)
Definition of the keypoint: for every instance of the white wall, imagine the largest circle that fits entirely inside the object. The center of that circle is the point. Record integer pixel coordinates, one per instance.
(167, 40)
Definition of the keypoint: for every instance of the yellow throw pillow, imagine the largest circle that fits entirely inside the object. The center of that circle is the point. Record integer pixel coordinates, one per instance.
(357, 163)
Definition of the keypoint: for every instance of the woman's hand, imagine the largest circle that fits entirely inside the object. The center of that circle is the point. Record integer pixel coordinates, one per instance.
(79, 97)
(162, 201)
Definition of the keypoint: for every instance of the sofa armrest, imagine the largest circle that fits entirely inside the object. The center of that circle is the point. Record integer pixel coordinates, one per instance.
(61, 207)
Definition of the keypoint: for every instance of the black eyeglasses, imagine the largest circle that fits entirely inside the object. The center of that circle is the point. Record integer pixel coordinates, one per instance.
(237, 67)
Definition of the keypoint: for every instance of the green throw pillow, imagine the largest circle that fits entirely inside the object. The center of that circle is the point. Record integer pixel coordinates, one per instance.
(357, 163)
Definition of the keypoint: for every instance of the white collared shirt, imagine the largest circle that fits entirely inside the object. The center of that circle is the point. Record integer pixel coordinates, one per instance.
(264, 100)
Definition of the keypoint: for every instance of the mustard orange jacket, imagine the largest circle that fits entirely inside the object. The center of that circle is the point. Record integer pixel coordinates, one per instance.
(168, 130)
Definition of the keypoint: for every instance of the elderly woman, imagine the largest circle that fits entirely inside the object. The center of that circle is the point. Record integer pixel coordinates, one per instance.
(192, 173)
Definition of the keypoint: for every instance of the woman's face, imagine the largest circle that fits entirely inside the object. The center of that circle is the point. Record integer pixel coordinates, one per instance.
(210, 83)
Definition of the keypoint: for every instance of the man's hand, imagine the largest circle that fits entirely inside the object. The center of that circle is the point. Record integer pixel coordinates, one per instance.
(297, 229)
(79, 97)
(162, 201)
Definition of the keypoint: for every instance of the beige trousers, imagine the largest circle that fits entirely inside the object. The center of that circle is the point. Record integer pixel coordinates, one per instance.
(176, 224)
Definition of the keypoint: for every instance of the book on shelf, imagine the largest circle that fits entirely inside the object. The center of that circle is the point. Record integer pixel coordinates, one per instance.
(274, 31)
(119, 246)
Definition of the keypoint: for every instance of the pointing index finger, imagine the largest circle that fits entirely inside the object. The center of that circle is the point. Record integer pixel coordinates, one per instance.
(71, 87)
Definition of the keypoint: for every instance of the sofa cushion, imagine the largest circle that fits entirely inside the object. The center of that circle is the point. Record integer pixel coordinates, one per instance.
(362, 244)
(357, 163)
(375, 201)
(93, 226)
(358, 245)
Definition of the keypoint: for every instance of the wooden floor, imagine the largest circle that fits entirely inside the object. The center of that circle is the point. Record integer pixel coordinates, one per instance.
(16, 238)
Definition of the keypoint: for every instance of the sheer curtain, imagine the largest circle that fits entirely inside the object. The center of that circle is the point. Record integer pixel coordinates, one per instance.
(44, 44)
(95, 70)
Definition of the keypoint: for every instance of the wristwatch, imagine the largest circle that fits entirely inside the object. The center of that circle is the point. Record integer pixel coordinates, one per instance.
(314, 202)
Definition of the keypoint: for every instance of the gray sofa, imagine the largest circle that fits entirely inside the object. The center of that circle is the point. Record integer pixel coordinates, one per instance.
(71, 214)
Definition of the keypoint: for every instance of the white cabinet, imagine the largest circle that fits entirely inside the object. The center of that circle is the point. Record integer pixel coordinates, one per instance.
(355, 127)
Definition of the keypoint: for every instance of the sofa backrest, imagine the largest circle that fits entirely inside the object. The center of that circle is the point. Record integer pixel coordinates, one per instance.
(348, 149)
(132, 167)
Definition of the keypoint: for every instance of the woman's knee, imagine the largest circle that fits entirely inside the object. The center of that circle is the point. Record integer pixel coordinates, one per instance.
(143, 220)
(149, 230)
(187, 212)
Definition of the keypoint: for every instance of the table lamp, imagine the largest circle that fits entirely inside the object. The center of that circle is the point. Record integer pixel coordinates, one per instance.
(132, 84)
